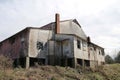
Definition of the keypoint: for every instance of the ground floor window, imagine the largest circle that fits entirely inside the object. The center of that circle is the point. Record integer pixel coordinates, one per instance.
(83, 62)
(79, 61)
(87, 62)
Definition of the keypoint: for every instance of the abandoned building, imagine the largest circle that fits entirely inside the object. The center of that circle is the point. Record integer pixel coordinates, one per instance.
(61, 43)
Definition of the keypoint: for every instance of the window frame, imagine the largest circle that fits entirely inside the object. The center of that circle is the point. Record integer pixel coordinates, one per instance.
(78, 44)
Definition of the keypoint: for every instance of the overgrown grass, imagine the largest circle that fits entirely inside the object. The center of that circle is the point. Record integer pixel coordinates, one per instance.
(106, 72)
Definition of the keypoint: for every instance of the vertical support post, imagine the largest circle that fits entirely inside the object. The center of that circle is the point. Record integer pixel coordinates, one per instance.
(27, 62)
(17, 62)
(74, 62)
(83, 64)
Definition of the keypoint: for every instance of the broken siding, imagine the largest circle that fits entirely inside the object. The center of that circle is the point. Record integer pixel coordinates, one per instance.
(38, 40)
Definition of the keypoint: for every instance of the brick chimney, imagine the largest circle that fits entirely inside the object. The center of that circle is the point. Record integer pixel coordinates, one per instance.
(57, 23)
(88, 39)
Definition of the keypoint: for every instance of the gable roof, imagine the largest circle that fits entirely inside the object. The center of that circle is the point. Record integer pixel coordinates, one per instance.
(52, 24)
(70, 26)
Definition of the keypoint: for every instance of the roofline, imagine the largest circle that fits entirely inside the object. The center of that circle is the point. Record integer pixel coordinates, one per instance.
(82, 39)
(15, 34)
(96, 45)
(27, 28)
(72, 35)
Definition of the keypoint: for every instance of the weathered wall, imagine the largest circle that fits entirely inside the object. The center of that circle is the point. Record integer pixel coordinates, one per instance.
(67, 45)
(36, 36)
(96, 54)
(15, 46)
(70, 27)
(81, 53)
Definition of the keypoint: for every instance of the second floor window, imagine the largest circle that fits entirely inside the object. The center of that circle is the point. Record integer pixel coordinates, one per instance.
(78, 44)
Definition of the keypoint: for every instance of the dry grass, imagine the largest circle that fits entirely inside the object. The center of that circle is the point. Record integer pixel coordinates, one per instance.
(106, 72)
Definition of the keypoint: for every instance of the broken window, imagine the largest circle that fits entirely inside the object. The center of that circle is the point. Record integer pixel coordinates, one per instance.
(103, 52)
(94, 48)
(39, 45)
(78, 44)
(99, 52)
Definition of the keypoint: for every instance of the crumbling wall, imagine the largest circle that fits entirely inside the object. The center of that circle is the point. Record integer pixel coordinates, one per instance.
(38, 43)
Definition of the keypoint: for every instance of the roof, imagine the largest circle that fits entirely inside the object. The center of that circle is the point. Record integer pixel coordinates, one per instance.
(96, 45)
(25, 29)
(52, 24)
(70, 26)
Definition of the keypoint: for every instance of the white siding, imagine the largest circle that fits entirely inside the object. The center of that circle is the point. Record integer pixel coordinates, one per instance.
(41, 36)
(70, 27)
(80, 53)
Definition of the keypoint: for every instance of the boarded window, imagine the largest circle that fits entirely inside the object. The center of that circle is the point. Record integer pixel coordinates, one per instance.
(39, 45)
(78, 44)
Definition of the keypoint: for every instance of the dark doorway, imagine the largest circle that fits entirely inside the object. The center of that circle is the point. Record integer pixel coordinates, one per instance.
(87, 63)
(39, 61)
(69, 62)
(79, 61)
(19, 62)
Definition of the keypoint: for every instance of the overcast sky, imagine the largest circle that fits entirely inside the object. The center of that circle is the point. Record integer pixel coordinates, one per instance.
(100, 19)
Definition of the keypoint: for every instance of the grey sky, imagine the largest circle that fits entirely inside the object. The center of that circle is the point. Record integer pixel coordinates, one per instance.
(98, 18)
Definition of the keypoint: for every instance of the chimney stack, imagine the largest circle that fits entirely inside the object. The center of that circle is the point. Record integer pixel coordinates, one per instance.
(57, 23)
(88, 39)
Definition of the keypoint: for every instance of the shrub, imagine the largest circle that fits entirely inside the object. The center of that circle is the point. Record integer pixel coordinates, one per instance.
(108, 59)
(5, 62)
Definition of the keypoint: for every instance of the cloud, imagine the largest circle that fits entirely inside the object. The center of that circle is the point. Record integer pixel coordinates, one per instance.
(99, 18)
